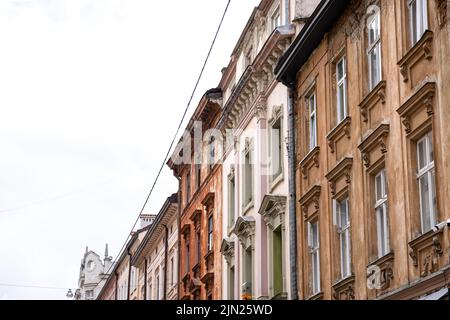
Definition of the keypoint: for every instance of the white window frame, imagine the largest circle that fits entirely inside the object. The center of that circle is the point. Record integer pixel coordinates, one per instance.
(276, 149)
(210, 242)
(275, 18)
(344, 233)
(314, 253)
(231, 200)
(418, 19)
(382, 214)
(341, 89)
(312, 110)
(428, 172)
(374, 47)
(248, 177)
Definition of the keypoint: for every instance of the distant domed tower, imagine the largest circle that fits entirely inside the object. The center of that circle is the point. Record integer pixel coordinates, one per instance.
(93, 274)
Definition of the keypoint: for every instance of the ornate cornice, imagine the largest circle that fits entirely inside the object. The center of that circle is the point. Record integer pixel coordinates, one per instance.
(311, 196)
(244, 229)
(273, 208)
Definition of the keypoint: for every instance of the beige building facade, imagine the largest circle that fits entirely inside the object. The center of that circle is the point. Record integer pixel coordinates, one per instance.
(371, 83)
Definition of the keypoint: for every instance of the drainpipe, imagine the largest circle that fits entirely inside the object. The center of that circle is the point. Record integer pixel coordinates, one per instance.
(116, 281)
(129, 275)
(292, 193)
(166, 248)
(145, 279)
(179, 238)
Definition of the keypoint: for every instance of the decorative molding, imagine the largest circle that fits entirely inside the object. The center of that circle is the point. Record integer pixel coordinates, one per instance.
(377, 138)
(342, 169)
(311, 160)
(426, 252)
(272, 210)
(344, 289)
(311, 196)
(423, 98)
(356, 22)
(423, 49)
(343, 129)
(227, 250)
(377, 95)
(244, 229)
(441, 8)
(385, 265)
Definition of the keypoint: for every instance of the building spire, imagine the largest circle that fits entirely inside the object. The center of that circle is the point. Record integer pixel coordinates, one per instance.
(106, 252)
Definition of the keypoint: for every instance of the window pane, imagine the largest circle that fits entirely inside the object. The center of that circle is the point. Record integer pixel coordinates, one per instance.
(433, 197)
(341, 102)
(421, 154)
(430, 147)
(424, 188)
(378, 187)
(374, 57)
(340, 70)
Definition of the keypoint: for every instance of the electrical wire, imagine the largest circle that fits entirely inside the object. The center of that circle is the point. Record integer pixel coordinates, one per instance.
(175, 136)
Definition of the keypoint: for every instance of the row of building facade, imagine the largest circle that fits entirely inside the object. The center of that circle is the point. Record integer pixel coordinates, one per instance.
(318, 168)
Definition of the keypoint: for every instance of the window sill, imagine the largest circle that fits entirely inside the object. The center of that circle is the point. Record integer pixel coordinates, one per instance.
(422, 49)
(344, 289)
(317, 296)
(426, 252)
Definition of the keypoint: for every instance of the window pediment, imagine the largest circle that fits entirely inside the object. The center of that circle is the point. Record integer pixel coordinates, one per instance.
(311, 160)
(273, 209)
(374, 146)
(412, 111)
(340, 131)
(340, 176)
(311, 197)
(244, 229)
(344, 289)
(227, 250)
(375, 97)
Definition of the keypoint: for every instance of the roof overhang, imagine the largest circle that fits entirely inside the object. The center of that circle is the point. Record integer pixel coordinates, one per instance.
(309, 38)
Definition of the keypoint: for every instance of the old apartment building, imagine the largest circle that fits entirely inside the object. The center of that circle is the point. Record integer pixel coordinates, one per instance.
(256, 224)
(370, 81)
(155, 263)
(195, 163)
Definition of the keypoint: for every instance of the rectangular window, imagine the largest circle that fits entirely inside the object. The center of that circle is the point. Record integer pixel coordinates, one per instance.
(231, 200)
(188, 188)
(231, 284)
(150, 289)
(312, 105)
(198, 175)
(418, 16)
(158, 290)
(276, 151)
(210, 233)
(313, 244)
(248, 178)
(341, 88)
(212, 153)
(199, 247)
(172, 272)
(186, 259)
(381, 210)
(276, 18)
(342, 218)
(426, 180)
(374, 49)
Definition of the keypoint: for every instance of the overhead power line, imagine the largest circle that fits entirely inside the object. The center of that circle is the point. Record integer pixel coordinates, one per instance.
(176, 133)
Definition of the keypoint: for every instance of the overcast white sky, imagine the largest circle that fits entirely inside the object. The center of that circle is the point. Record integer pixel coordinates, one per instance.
(91, 92)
